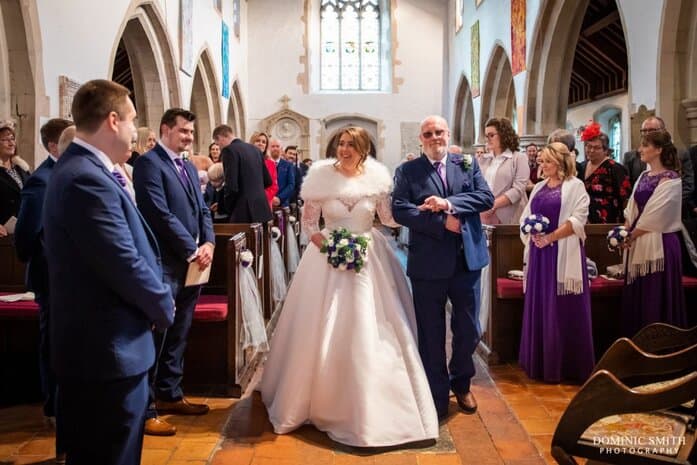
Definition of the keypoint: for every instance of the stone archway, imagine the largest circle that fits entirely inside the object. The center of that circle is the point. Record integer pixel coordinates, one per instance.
(235, 112)
(550, 64)
(331, 124)
(205, 102)
(22, 95)
(463, 119)
(143, 61)
(498, 93)
(677, 64)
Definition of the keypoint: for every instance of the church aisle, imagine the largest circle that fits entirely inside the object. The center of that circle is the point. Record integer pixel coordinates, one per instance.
(513, 426)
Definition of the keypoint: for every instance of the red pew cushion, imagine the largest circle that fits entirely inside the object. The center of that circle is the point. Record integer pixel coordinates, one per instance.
(689, 282)
(20, 309)
(211, 308)
(513, 289)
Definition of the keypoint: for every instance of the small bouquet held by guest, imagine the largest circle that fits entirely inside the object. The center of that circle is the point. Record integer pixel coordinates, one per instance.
(616, 237)
(346, 251)
(535, 224)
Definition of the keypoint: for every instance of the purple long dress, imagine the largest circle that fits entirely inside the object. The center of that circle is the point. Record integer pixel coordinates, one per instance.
(556, 342)
(658, 296)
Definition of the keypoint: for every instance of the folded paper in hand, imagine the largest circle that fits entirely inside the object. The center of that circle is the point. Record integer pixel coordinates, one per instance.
(10, 225)
(195, 276)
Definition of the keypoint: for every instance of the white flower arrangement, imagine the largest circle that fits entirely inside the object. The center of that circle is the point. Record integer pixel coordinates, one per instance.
(246, 258)
(617, 236)
(467, 161)
(275, 233)
(535, 224)
(292, 219)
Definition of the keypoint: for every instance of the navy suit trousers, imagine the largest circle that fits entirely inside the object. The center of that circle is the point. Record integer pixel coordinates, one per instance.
(104, 420)
(430, 297)
(168, 371)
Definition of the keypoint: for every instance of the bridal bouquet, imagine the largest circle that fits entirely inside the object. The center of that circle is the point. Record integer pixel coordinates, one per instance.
(535, 224)
(616, 237)
(346, 251)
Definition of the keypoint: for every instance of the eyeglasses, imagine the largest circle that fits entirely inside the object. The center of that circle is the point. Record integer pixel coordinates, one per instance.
(648, 130)
(491, 135)
(429, 134)
(8, 139)
(592, 147)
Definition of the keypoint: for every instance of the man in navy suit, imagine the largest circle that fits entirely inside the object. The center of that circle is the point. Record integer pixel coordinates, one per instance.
(439, 197)
(106, 289)
(168, 195)
(246, 177)
(30, 250)
(286, 175)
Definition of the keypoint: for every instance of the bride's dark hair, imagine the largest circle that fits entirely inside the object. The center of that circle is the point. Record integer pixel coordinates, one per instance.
(360, 139)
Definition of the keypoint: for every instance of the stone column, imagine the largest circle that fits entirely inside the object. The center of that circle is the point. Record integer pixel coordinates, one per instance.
(690, 106)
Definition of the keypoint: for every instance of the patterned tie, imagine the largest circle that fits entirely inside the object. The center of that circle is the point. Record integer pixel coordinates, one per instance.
(182, 171)
(119, 177)
(440, 169)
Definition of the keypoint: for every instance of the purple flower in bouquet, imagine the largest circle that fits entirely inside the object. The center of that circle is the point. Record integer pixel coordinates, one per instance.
(346, 251)
(535, 224)
(616, 237)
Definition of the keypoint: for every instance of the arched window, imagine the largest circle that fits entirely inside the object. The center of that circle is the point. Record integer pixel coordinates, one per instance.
(351, 44)
(615, 136)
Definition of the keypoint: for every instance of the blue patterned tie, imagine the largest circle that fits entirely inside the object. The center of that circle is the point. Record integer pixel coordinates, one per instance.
(119, 177)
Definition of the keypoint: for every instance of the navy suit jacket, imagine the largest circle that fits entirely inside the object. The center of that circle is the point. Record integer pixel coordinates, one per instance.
(29, 228)
(286, 181)
(106, 287)
(176, 213)
(246, 177)
(432, 248)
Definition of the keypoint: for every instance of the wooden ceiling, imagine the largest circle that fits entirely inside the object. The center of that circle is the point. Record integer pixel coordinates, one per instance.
(600, 59)
(122, 70)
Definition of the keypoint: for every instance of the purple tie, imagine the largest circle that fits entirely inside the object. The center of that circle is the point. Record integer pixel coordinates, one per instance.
(440, 169)
(182, 171)
(119, 177)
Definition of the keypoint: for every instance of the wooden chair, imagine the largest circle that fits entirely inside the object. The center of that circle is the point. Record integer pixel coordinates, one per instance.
(596, 424)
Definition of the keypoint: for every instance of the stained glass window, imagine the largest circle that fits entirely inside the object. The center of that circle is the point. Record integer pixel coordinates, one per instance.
(615, 136)
(350, 35)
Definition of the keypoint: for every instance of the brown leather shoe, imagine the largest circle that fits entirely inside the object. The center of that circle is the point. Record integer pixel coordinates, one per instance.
(181, 407)
(466, 402)
(159, 427)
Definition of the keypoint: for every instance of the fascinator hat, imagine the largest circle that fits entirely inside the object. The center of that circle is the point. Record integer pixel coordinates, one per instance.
(590, 131)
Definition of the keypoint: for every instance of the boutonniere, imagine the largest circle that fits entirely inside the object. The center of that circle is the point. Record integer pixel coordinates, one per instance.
(465, 161)
(185, 156)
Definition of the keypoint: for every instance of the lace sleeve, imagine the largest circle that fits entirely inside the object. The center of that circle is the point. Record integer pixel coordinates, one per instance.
(310, 217)
(384, 210)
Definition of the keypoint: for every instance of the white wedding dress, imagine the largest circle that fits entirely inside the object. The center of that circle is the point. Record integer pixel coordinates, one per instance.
(344, 355)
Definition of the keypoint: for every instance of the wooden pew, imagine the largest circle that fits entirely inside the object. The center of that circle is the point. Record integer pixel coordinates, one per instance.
(501, 339)
(213, 361)
(19, 333)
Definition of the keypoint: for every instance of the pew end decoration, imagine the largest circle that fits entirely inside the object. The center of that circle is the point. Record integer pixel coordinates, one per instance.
(616, 237)
(275, 233)
(346, 251)
(246, 258)
(535, 224)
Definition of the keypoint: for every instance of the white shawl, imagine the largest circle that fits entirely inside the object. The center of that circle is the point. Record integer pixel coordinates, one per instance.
(324, 182)
(661, 215)
(574, 208)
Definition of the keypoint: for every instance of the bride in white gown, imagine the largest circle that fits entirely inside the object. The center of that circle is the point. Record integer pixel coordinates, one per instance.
(344, 355)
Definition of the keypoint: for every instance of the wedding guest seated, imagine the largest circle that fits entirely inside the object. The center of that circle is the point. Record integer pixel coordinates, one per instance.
(653, 277)
(607, 182)
(556, 341)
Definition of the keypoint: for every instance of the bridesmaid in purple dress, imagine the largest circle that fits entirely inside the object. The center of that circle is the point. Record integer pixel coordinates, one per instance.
(556, 342)
(653, 264)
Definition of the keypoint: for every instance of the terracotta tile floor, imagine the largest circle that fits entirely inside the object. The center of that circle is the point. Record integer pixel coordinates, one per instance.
(514, 426)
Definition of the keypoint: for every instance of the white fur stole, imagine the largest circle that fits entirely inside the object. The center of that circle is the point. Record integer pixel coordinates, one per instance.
(323, 181)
